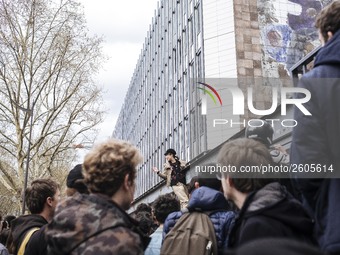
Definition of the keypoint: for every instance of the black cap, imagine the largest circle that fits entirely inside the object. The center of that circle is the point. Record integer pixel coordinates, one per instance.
(263, 133)
(75, 179)
(170, 151)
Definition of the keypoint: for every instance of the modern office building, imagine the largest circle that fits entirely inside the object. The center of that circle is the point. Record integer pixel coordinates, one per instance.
(191, 41)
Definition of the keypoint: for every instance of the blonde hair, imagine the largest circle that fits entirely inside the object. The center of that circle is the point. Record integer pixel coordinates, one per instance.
(106, 166)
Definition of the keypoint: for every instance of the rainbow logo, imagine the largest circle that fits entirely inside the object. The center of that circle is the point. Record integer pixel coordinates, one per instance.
(204, 102)
(209, 93)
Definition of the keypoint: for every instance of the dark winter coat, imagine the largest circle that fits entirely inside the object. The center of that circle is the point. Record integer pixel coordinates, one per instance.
(93, 224)
(207, 199)
(316, 140)
(37, 244)
(271, 212)
(21, 225)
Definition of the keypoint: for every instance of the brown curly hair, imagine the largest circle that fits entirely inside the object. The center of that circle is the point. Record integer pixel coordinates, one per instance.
(106, 166)
(328, 19)
(164, 205)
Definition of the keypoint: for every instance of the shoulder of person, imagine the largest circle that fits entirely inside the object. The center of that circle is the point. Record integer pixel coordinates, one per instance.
(166, 165)
(258, 227)
(174, 216)
(37, 244)
(171, 220)
(183, 164)
(119, 240)
(223, 217)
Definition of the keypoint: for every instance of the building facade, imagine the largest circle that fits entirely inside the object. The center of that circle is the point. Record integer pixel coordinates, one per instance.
(161, 108)
(190, 41)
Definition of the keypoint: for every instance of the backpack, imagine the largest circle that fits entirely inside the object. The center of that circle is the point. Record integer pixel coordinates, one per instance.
(193, 233)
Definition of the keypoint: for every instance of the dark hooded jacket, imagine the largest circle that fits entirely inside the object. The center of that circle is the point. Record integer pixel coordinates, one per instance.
(19, 228)
(271, 212)
(316, 140)
(93, 224)
(37, 244)
(275, 246)
(207, 199)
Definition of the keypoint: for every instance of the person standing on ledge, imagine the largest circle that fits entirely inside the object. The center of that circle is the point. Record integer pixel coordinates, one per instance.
(174, 173)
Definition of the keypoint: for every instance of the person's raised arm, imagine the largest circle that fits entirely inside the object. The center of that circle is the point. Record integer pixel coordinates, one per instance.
(158, 172)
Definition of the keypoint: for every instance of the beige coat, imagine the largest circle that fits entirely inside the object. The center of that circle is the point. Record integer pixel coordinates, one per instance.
(166, 173)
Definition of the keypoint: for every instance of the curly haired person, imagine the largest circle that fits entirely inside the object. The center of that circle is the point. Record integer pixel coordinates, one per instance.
(97, 223)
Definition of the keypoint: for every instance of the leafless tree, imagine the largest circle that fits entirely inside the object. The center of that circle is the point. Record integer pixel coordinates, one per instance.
(47, 63)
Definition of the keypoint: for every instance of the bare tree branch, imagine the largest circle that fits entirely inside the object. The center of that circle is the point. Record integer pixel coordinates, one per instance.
(47, 63)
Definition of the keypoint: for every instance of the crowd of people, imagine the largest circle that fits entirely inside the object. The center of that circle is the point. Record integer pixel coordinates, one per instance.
(92, 219)
(222, 214)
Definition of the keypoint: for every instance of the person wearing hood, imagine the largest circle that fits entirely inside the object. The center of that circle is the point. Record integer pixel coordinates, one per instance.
(205, 196)
(315, 139)
(97, 223)
(266, 209)
(27, 231)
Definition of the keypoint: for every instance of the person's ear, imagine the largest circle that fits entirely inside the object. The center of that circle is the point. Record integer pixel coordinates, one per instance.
(196, 185)
(330, 35)
(49, 201)
(230, 181)
(127, 182)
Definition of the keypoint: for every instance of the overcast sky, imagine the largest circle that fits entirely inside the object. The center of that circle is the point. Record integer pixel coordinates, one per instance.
(124, 25)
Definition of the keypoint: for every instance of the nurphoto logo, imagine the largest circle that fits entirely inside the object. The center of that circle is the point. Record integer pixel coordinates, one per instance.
(278, 96)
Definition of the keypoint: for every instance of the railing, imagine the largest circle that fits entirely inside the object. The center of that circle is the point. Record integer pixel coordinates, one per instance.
(301, 67)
